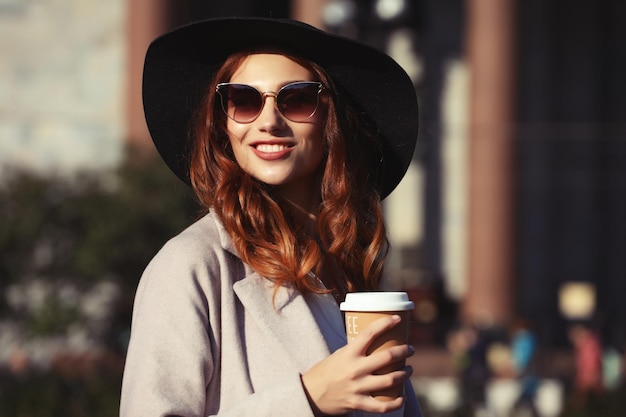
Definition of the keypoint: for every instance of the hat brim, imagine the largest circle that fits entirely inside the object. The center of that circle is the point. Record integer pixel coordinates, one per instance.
(179, 64)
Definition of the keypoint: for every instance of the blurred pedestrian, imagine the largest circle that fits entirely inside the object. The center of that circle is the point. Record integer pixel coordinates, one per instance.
(523, 354)
(612, 372)
(588, 360)
(468, 345)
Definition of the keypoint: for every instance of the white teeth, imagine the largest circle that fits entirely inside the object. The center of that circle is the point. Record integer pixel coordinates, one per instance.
(271, 148)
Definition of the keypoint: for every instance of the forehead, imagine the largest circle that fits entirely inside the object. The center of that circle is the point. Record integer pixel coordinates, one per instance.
(270, 68)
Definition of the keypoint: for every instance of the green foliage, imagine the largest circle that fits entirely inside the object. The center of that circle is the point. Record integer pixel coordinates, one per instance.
(51, 318)
(91, 228)
(59, 233)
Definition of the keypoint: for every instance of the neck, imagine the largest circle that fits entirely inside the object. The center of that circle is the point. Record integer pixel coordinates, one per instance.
(305, 214)
(303, 202)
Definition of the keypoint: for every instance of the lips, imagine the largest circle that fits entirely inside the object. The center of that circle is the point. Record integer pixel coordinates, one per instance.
(272, 151)
(270, 148)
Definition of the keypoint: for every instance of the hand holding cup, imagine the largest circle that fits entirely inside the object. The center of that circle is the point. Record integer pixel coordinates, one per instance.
(346, 380)
(361, 309)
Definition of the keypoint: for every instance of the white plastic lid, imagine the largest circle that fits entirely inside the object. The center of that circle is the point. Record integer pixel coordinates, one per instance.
(376, 301)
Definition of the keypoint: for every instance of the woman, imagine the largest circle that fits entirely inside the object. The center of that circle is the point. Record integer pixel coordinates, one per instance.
(290, 137)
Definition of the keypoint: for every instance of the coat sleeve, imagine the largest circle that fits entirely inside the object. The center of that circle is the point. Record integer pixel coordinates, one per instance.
(173, 360)
(170, 355)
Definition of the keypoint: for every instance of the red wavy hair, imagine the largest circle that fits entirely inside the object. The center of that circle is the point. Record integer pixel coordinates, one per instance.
(349, 253)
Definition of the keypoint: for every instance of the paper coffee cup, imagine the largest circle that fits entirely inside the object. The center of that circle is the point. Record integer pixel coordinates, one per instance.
(362, 308)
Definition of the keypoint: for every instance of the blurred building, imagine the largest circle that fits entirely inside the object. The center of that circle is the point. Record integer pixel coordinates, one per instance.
(62, 79)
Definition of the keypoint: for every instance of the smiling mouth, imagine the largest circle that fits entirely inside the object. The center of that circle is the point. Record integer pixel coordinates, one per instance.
(273, 151)
(270, 148)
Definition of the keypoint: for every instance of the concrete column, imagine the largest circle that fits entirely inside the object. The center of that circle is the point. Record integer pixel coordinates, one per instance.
(146, 19)
(490, 52)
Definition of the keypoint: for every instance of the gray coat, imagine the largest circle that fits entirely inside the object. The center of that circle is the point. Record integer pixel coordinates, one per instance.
(209, 339)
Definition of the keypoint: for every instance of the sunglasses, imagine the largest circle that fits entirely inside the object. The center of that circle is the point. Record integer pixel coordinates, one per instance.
(296, 101)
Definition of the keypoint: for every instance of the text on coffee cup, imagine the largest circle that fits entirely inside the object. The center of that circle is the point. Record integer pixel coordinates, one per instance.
(352, 326)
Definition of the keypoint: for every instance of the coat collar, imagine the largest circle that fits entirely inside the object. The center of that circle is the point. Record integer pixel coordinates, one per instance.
(283, 315)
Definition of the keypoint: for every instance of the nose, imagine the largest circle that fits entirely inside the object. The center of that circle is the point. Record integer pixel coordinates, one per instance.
(270, 117)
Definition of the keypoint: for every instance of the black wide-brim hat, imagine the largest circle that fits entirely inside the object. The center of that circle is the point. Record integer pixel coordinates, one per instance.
(179, 65)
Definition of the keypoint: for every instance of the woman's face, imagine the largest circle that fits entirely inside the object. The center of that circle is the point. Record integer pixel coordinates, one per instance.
(272, 148)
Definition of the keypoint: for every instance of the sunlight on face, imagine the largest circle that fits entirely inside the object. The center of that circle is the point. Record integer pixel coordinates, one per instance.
(272, 148)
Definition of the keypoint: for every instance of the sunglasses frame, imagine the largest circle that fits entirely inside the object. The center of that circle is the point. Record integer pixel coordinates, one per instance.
(264, 95)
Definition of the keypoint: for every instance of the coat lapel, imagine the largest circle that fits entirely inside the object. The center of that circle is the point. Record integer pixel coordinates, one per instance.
(287, 318)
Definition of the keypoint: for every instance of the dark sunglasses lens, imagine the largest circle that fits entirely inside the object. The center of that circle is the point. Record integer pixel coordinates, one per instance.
(298, 101)
(241, 103)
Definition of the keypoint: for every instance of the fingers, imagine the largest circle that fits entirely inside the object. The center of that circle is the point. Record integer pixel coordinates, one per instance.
(372, 331)
(388, 386)
(386, 357)
(346, 379)
(373, 405)
(341, 383)
(385, 381)
(369, 403)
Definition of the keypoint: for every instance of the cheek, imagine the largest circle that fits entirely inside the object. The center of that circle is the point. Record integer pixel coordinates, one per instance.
(236, 145)
(235, 131)
(318, 126)
(317, 139)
